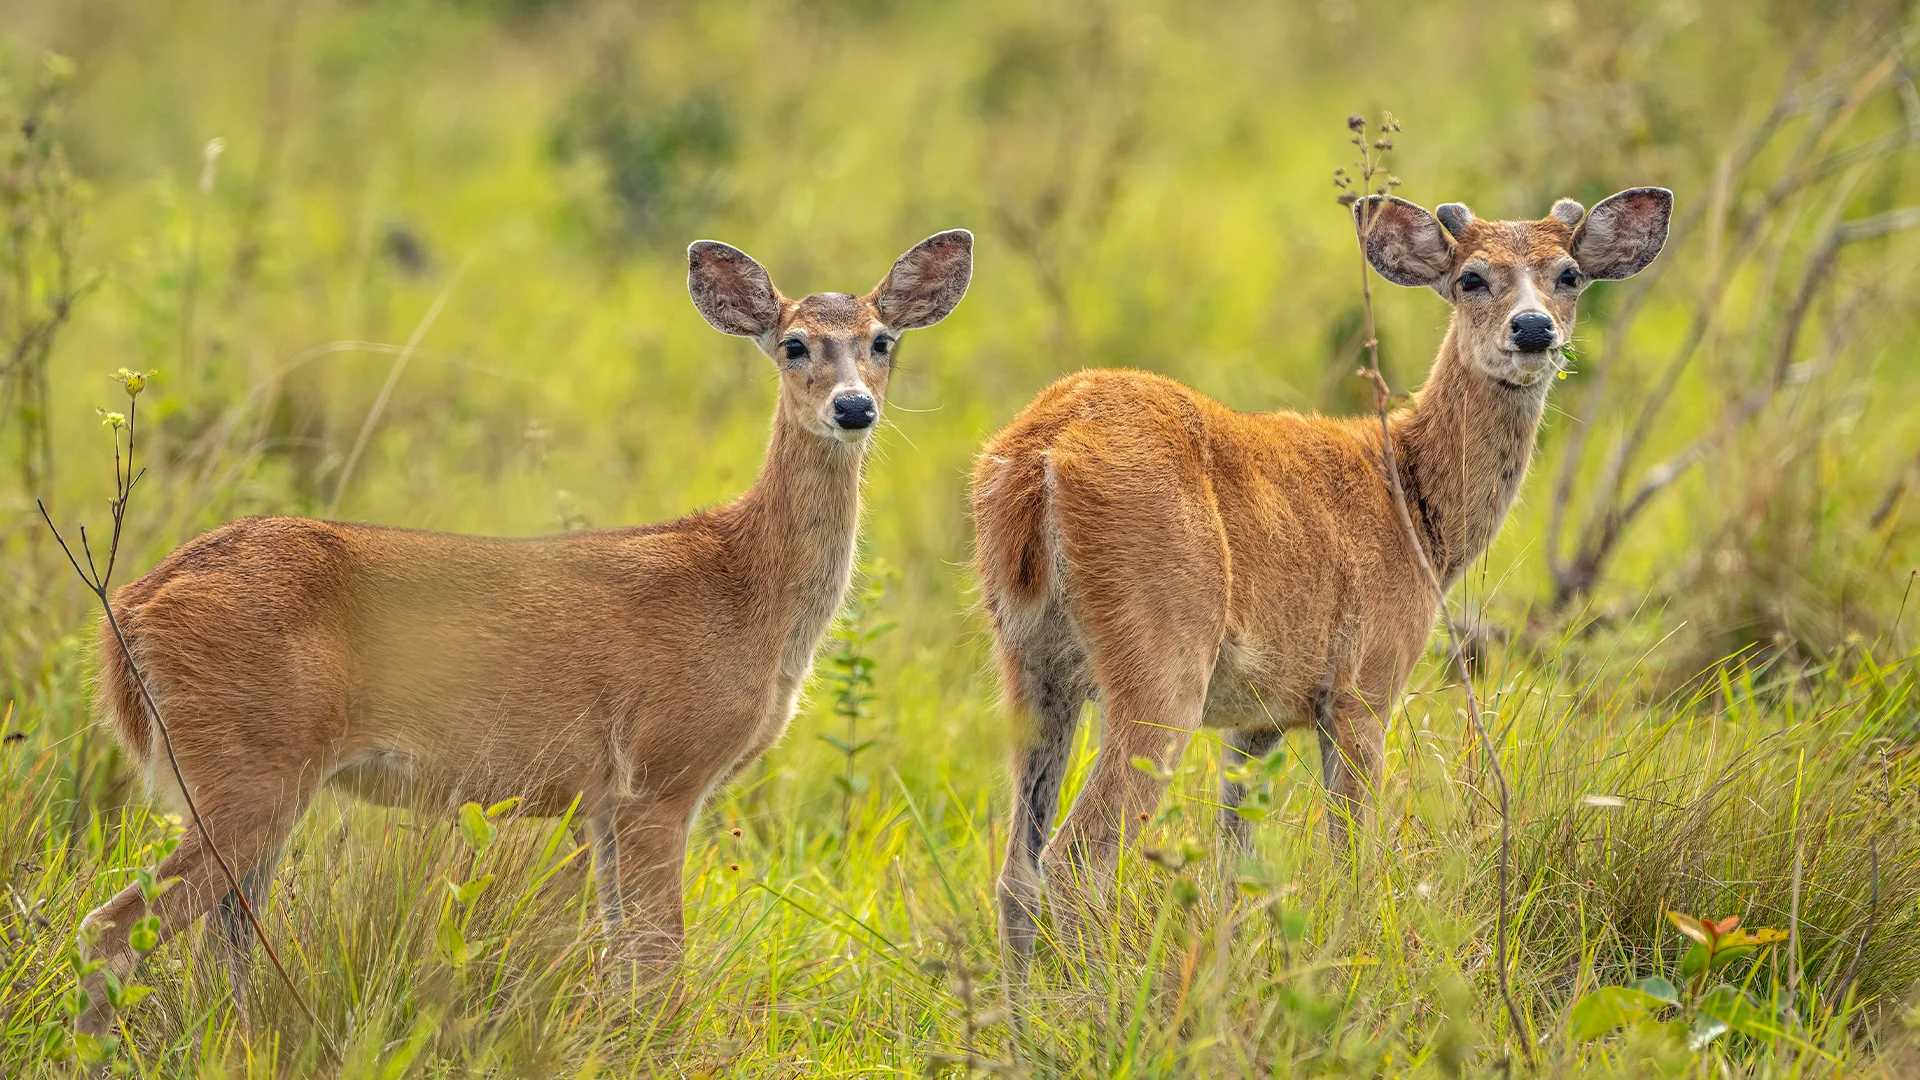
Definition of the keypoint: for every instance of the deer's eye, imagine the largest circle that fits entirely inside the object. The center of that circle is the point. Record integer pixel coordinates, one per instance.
(1569, 278)
(794, 348)
(882, 345)
(1471, 282)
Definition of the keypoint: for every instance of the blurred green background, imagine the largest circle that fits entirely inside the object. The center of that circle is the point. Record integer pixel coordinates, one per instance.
(1149, 185)
(458, 227)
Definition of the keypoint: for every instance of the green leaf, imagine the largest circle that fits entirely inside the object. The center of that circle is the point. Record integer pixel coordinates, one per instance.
(132, 995)
(90, 1049)
(151, 890)
(1694, 962)
(1655, 986)
(1704, 1030)
(1735, 1008)
(145, 934)
(478, 831)
(1185, 893)
(451, 943)
(502, 807)
(1143, 763)
(1608, 1008)
(1724, 956)
(467, 892)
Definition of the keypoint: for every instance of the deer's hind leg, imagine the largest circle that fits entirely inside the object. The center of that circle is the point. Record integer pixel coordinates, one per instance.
(1046, 684)
(249, 815)
(1149, 594)
(230, 921)
(1243, 745)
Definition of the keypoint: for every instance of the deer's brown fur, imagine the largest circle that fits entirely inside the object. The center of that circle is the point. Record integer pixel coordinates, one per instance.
(632, 669)
(1187, 563)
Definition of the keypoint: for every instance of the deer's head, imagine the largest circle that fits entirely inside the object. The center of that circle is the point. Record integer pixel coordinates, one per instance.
(1514, 284)
(834, 350)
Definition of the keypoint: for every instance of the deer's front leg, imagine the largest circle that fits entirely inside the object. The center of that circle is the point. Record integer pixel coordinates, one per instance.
(1352, 752)
(604, 850)
(648, 854)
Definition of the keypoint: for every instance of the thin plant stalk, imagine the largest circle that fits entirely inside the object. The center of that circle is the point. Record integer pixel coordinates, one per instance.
(98, 579)
(1370, 167)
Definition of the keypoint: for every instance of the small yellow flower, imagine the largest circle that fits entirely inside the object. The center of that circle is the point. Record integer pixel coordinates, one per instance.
(112, 419)
(134, 381)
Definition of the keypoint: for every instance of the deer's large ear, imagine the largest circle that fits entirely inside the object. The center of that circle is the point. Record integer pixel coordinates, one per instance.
(731, 290)
(1403, 242)
(1622, 235)
(926, 284)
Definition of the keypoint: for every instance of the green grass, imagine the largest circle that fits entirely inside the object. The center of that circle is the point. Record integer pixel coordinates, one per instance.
(1734, 699)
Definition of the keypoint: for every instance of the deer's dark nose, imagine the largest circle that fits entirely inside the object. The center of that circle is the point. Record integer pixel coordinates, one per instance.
(1532, 332)
(854, 411)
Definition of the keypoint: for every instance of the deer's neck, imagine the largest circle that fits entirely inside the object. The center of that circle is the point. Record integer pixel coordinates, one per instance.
(796, 529)
(1463, 450)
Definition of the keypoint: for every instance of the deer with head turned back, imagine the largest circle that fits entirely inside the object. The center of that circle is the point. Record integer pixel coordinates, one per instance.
(1185, 563)
(634, 670)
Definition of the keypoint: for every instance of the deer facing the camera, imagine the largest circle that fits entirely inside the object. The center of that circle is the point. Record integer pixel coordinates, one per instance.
(633, 669)
(1187, 564)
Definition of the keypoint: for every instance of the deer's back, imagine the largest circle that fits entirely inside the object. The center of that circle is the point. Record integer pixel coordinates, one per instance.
(1118, 487)
(457, 664)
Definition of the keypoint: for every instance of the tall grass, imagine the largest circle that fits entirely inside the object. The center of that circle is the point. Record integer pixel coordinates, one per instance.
(805, 960)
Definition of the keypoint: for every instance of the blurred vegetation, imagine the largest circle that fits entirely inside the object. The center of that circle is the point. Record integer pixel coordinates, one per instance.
(1697, 610)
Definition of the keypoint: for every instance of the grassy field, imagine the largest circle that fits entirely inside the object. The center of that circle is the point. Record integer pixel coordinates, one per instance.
(453, 231)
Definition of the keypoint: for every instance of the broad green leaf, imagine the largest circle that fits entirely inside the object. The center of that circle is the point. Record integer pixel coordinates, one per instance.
(478, 831)
(133, 995)
(502, 807)
(89, 1049)
(1704, 1030)
(145, 934)
(1694, 962)
(1655, 986)
(1735, 1008)
(1608, 1008)
(467, 892)
(451, 943)
(1728, 954)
